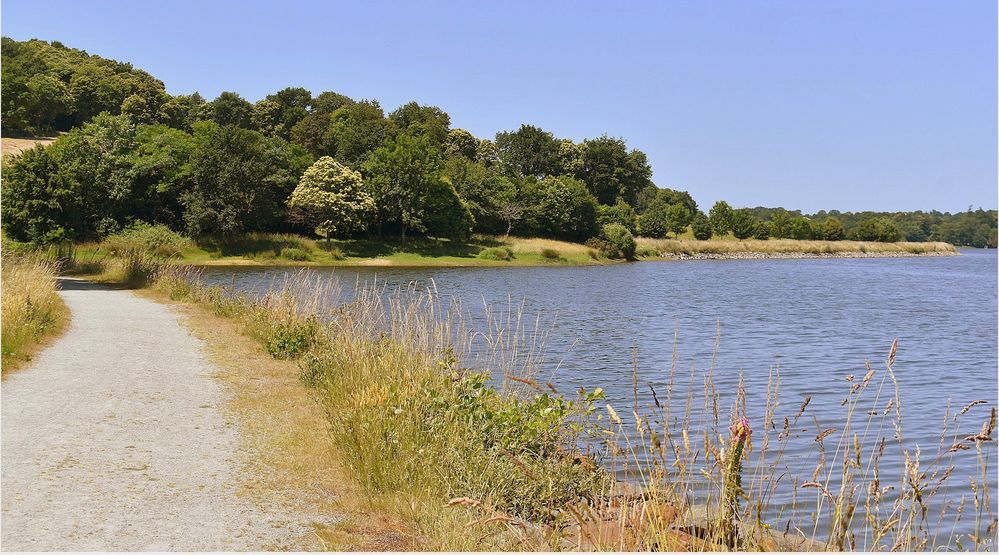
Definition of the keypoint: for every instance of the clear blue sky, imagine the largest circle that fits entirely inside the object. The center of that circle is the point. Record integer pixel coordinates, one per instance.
(851, 105)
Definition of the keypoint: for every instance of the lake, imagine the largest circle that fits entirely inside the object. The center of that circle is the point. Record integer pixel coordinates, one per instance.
(815, 320)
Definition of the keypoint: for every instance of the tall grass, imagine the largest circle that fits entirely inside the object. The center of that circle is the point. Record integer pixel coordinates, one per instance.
(485, 455)
(31, 308)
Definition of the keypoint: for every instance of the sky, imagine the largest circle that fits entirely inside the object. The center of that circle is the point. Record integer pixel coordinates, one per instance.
(848, 105)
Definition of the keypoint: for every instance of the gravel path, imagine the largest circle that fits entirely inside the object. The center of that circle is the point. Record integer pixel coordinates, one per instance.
(116, 438)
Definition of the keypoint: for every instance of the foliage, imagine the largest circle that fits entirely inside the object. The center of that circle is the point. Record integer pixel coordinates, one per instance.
(31, 308)
(550, 254)
(700, 225)
(621, 213)
(831, 229)
(876, 229)
(47, 87)
(298, 255)
(404, 177)
(743, 224)
(528, 151)
(331, 199)
(566, 209)
(610, 171)
(497, 253)
(156, 240)
(621, 240)
(422, 121)
(720, 216)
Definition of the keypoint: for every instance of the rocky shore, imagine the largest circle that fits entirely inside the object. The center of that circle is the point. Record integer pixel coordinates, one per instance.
(792, 255)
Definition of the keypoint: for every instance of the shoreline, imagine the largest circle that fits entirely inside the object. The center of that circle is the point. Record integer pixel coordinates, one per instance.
(749, 255)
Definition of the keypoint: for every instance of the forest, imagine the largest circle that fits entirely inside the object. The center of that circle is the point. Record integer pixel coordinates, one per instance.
(127, 151)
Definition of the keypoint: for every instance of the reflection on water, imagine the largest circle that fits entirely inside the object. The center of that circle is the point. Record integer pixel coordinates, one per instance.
(816, 321)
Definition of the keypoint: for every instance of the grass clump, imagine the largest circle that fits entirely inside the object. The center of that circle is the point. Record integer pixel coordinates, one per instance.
(155, 240)
(551, 255)
(31, 309)
(504, 254)
(296, 254)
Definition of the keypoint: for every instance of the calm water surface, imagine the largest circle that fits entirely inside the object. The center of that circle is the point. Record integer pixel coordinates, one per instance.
(817, 321)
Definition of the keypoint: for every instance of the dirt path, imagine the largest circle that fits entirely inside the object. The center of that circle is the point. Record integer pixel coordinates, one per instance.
(116, 438)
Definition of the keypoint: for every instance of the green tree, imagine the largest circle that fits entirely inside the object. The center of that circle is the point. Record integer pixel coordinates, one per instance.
(566, 209)
(36, 205)
(228, 109)
(876, 229)
(781, 224)
(240, 180)
(483, 189)
(404, 177)
(743, 224)
(528, 151)
(720, 216)
(621, 213)
(831, 229)
(621, 239)
(277, 114)
(700, 225)
(801, 228)
(355, 131)
(461, 143)
(330, 198)
(422, 121)
(610, 171)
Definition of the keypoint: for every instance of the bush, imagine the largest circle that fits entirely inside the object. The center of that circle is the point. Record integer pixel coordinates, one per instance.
(292, 253)
(504, 254)
(617, 242)
(156, 240)
(551, 254)
(291, 339)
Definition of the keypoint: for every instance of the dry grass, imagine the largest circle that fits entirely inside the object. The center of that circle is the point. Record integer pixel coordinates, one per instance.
(651, 248)
(13, 147)
(32, 311)
(284, 428)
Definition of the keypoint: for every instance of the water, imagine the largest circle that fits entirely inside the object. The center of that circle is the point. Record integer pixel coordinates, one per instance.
(815, 320)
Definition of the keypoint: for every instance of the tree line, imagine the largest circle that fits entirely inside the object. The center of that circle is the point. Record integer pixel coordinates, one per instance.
(330, 164)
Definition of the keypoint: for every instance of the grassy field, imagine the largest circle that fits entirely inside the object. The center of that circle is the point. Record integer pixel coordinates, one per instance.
(290, 249)
(16, 146)
(272, 249)
(32, 312)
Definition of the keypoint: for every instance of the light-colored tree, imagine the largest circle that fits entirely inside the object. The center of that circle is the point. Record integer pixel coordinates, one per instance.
(331, 199)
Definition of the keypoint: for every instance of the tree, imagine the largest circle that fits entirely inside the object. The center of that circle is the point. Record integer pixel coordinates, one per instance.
(620, 239)
(621, 213)
(831, 229)
(278, 113)
(330, 199)
(483, 190)
(355, 131)
(610, 171)
(743, 224)
(876, 229)
(36, 206)
(422, 121)
(240, 180)
(229, 109)
(510, 212)
(461, 143)
(528, 151)
(404, 177)
(566, 209)
(762, 231)
(781, 224)
(720, 216)
(700, 225)
(801, 228)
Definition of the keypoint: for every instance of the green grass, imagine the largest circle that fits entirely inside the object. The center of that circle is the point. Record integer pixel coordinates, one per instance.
(295, 250)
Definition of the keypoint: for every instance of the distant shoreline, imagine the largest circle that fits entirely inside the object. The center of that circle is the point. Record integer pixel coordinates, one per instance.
(675, 257)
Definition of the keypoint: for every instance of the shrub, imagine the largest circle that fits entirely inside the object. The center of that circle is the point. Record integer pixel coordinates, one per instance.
(621, 239)
(291, 253)
(291, 339)
(336, 253)
(156, 240)
(504, 254)
(551, 254)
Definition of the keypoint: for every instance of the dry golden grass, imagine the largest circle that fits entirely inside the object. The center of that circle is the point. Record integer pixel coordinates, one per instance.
(32, 312)
(285, 431)
(14, 147)
(691, 247)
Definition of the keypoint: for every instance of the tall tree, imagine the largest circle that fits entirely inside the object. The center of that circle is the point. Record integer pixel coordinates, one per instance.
(422, 121)
(528, 151)
(330, 199)
(610, 171)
